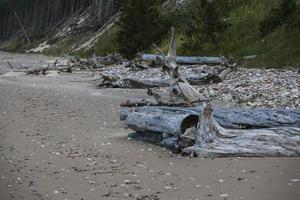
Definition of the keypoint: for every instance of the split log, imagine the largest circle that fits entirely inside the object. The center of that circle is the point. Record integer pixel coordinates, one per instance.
(212, 140)
(176, 120)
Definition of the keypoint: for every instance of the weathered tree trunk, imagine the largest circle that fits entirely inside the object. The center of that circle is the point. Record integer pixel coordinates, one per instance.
(187, 60)
(212, 140)
(175, 120)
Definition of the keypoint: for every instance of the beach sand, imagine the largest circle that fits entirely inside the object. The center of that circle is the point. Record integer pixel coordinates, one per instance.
(61, 138)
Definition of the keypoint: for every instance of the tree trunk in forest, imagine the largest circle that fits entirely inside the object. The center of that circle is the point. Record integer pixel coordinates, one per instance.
(22, 27)
(39, 16)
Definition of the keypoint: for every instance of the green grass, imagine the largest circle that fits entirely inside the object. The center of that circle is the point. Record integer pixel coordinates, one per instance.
(63, 46)
(105, 44)
(19, 45)
(242, 38)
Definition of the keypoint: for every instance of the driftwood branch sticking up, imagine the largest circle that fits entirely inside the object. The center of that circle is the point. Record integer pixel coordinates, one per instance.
(177, 80)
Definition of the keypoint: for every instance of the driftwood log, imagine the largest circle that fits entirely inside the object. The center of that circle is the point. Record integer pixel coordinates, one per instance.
(212, 140)
(187, 60)
(176, 120)
(176, 127)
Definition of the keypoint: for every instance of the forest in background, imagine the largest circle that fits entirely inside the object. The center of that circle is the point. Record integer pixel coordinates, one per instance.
(266, 31)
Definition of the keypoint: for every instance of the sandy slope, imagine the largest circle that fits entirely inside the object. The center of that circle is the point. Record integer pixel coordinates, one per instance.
(60, 138)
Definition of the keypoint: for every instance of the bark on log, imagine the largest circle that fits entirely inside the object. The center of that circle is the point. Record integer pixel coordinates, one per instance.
(175, 120)
(212, 140)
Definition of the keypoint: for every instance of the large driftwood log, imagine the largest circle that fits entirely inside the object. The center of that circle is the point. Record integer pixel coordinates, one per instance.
(176, 120)
(212, 140)
(188, 60)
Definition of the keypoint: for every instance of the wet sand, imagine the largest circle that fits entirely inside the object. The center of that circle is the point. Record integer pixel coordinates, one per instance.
(61, 138)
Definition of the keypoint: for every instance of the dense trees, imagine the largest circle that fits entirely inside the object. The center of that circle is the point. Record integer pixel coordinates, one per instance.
(204, 25)
(39, 16)
(142, 23)
(278, 16)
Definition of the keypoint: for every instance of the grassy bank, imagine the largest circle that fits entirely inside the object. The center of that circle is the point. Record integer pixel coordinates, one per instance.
(280, 48)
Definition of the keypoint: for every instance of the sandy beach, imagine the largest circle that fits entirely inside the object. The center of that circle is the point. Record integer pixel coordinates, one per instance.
(61, 138)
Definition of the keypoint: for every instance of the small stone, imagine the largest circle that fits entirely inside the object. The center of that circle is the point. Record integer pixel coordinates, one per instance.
(223, 195)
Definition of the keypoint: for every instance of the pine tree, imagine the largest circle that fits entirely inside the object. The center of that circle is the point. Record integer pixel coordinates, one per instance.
(141, 24)
(278, 16)
(204, 26)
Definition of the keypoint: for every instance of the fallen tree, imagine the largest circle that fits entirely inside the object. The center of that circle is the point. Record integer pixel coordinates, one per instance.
(186, 60)
(176, 120)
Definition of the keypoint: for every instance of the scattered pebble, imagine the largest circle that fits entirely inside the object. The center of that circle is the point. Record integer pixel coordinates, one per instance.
(223, 195)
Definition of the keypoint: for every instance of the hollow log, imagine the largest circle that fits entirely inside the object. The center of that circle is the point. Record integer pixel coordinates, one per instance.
(212, 140)
(175, 120)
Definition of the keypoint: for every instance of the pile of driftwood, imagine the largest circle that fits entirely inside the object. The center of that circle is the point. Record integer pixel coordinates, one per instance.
(70, 63)
(183, 119)
(143, 71)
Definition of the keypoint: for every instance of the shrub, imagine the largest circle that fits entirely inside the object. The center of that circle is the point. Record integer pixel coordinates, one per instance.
(204, 26)
(278, 16)
(142, 23)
